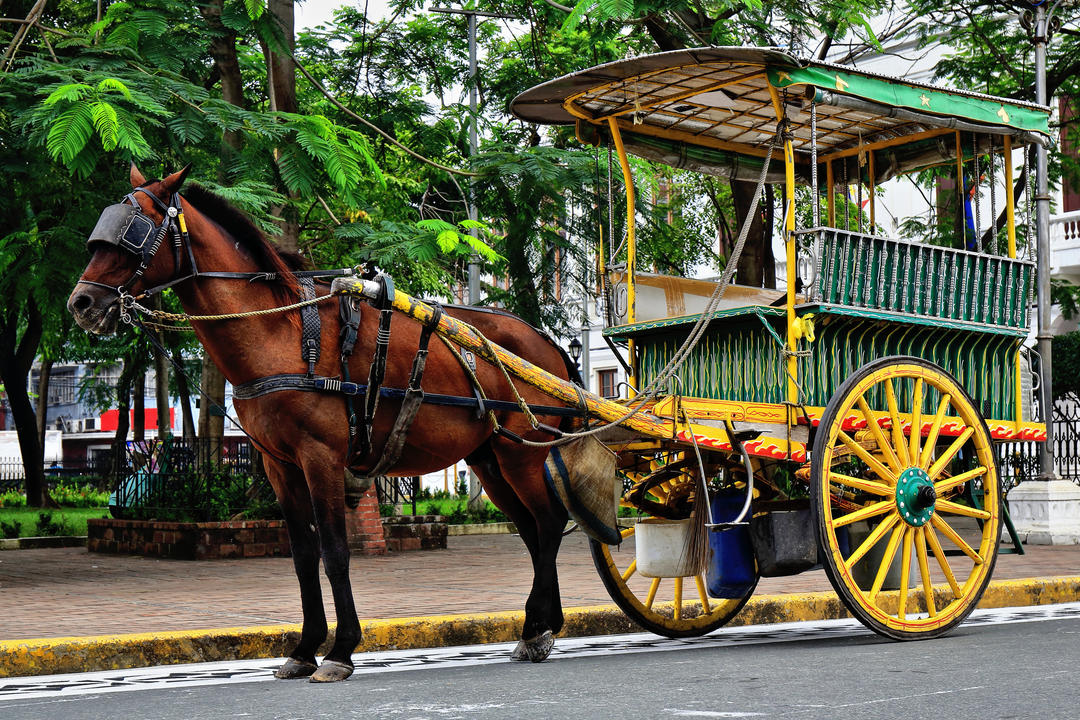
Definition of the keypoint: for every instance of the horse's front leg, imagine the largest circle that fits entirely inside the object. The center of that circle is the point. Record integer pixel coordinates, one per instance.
(325, 478)
(295, 501)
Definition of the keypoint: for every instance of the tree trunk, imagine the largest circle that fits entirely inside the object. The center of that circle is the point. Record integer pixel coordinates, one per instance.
(757, 266)
(161, 394)
(44, 375)
(183, 390)
(223, 50)
(123, 418)
(282, 72)
(16, 359)
(139, 420)
(211, 423)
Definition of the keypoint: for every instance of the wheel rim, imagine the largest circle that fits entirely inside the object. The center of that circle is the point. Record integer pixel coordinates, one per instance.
(675, 607)
(910, 490)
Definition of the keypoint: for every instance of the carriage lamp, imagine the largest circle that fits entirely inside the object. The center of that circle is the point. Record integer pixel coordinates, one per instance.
(575, 351)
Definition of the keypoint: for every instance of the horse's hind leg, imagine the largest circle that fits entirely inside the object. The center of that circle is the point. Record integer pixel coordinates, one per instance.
(295, 501)
(513, 478)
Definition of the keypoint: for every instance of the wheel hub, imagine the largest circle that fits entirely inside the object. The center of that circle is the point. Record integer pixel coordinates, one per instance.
(915, 496)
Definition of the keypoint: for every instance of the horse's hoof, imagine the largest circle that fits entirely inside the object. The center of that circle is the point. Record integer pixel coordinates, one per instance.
(537, 649)
(331, 671)
(519, 654)
(293, 669)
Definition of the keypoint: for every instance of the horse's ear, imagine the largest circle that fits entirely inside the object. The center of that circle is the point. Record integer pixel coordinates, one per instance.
(172, 183)
(137, 179)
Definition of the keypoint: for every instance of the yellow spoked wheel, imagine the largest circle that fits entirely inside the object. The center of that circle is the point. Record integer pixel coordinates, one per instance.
(673, 607)
(909, 520)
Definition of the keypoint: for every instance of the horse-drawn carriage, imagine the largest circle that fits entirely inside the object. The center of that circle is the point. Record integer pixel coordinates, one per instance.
(849, 420)
(877, 382)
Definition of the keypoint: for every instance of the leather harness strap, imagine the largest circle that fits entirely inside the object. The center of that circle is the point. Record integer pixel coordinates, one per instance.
(300, 382)
(410, 405)
(311, 326)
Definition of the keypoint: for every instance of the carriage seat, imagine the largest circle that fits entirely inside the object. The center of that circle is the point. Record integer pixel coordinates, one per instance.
(665, 296)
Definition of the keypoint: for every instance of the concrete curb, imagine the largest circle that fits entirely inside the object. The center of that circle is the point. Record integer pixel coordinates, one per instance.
(112, 652)
(40, 543)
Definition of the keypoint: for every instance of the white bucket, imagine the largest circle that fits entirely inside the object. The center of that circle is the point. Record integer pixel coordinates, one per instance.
(661, 547)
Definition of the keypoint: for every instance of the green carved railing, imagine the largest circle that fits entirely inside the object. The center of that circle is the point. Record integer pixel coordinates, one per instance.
(926, 281)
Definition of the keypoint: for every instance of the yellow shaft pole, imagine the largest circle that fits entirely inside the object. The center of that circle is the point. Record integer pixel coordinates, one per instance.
(1010, 228)
(631, 246)
(467, 337)
(1010, 200)
(789, 246)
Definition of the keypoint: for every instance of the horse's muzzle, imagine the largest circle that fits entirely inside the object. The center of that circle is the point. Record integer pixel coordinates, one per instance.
(94, 311)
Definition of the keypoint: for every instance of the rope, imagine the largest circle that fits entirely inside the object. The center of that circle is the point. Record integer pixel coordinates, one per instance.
(184, 317)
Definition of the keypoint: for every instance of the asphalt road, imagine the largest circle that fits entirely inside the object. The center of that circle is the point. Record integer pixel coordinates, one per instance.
(1016, 663)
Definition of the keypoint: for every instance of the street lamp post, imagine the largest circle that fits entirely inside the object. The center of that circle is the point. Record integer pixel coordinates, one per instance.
(1045, 512)
(1043, 336)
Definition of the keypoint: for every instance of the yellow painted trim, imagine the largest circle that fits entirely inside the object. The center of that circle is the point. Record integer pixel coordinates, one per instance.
(904, 140)
(631, 247)
(689, 137)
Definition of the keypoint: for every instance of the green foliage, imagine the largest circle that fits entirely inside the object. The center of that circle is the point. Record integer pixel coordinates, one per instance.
(10, 529)
(50, 526)
(1066, 358)
(76, 495)
(12, 499)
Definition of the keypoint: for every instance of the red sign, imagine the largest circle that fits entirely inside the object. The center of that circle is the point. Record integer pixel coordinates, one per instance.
(111, 418)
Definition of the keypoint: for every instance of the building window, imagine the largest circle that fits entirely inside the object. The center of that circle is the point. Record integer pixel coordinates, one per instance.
(608, 380)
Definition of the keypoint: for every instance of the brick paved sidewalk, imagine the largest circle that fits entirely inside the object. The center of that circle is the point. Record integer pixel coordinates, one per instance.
(70, 592)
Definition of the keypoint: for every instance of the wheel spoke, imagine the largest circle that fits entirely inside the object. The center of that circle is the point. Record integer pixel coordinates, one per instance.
(948, 532)
(950, 453)
(867, 458)
(678, 598)
(869, 486)
(700, 580)
(630, 570)
(943, 486)
(935, 547)
(935, 428)
(924, 569)
(652, 593)
(965, 510)
(869, 511)
(872, 540)
(879, 436)
(886, 561)
(897, 425)
(905, 572)
(916, 422)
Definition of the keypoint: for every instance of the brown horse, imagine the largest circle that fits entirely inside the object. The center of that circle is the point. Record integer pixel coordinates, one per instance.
(305, 434)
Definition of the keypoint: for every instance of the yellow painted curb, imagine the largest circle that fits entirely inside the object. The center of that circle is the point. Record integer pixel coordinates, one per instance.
(113, 652)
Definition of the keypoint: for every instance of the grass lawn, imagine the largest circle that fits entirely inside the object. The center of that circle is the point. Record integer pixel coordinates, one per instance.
(73, 520)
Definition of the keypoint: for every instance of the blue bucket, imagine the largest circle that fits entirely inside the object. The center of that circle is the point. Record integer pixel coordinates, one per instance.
(732, 570)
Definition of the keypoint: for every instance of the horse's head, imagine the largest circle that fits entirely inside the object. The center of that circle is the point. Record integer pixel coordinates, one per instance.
(128, 256)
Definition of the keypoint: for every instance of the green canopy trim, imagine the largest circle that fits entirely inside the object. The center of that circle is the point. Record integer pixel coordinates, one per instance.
(919, 98)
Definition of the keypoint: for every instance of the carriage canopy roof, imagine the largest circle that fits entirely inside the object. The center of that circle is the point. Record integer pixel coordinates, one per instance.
(720, 98)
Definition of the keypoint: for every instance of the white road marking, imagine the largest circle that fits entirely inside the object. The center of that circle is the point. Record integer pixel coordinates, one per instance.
(251, 671)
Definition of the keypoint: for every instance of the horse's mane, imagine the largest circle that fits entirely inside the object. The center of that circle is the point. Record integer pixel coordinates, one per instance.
(244, 231)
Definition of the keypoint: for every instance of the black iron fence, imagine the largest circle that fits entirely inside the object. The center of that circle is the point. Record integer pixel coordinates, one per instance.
(192, 480)
(1019, 461)
(398, 490)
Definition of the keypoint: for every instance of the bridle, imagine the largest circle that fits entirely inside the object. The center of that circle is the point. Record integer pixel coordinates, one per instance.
(125, 226)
